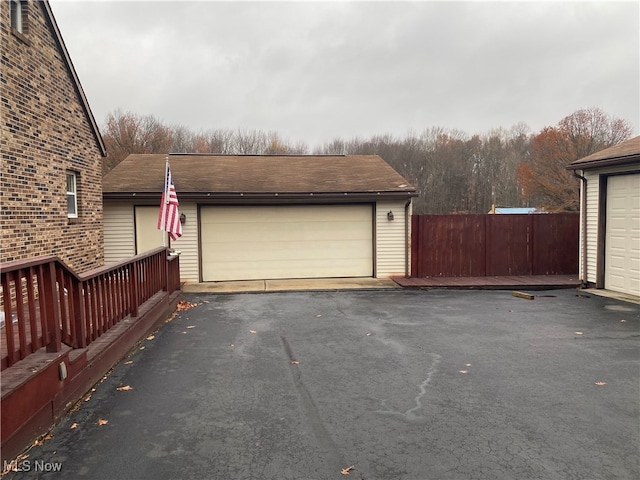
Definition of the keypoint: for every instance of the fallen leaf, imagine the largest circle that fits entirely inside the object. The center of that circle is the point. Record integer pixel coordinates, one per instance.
(184, 305)
(601, 384)
(191, 326)
(102, 422)
(129, 362)
(141, 348)
(151, 337)
(464, 371)
(579, 333)
(41, 440)
(252, 331)
(125, 388)
(345, 471)
(87, 398)
(73, 426)
(295, 362)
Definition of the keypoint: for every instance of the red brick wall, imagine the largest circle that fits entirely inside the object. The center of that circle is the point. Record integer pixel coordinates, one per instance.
(44, 132)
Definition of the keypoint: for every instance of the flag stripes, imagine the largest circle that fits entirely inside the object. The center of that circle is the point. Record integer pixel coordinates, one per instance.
(169, 217)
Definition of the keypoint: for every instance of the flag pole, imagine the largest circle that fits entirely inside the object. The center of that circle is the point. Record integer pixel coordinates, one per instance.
(165, 196)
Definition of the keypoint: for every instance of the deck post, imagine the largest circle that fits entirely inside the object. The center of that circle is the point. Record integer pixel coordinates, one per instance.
(52, 311)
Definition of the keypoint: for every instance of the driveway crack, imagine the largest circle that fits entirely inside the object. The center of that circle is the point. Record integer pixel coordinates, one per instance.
(320, 432)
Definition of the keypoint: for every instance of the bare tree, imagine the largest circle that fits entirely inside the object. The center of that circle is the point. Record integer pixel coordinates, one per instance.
(126, 133)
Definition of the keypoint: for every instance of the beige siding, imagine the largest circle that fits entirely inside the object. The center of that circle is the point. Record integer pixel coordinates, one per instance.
(593, 189)
(593, 193)
(119, 235)
(188, 243)
(120, 240)
(391, 243)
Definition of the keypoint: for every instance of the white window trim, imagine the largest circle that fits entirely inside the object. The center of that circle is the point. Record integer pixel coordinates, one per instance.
(73, 193)
(16, 15)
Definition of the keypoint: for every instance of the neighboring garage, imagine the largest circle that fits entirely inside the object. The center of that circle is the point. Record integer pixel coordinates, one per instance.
(622, 256)
(265, 217)
(610, 217)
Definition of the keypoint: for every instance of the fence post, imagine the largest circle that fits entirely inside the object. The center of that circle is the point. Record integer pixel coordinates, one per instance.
(52, 311)
(415, 241)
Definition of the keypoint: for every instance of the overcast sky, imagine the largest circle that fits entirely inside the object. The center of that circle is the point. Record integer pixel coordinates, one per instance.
(314, 71)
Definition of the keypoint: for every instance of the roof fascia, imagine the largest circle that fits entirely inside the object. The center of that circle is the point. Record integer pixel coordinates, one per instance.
(266, 197)
(605, 162)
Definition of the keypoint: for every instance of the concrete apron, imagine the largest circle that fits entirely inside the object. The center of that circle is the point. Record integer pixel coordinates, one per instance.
(285, 285)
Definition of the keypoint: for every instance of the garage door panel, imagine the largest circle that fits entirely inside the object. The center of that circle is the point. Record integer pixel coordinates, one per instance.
(286, 242)
(306, 269)
(270, 233)
(622, 235)
(289, 251)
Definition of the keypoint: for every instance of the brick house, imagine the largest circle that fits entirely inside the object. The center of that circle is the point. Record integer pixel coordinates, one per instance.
(50, 176)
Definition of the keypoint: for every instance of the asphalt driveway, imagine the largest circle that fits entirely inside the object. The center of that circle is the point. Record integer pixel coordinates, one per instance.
(397, 384)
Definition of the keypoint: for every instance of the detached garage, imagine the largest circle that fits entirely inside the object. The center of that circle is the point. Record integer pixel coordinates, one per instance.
(610, 217)
(265, 217)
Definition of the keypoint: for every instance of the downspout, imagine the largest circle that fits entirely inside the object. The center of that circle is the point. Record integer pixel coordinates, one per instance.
(407, 241)
(583, 222)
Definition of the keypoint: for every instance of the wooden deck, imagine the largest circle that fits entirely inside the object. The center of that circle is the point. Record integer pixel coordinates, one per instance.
(526, 282)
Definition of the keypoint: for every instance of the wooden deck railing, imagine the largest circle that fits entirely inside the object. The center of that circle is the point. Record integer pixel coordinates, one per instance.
(45, 304)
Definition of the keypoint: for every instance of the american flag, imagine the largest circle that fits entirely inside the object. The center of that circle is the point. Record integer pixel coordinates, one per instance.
(169, 217)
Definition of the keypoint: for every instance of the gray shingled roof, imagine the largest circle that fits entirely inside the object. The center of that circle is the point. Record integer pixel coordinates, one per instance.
(624, 153)
(200, 175)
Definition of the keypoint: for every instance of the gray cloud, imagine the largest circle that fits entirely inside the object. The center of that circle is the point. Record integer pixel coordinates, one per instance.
(313, 71)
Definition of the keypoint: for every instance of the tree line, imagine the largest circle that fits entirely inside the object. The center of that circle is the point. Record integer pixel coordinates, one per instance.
(452, 171)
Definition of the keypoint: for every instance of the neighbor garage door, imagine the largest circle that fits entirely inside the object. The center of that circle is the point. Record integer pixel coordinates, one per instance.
(622, 239)
(268, 242)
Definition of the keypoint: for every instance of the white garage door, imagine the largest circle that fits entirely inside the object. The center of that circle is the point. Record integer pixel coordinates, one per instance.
(249, 243)
(622, 239)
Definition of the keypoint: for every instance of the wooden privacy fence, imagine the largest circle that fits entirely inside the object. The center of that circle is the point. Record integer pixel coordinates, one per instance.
(494, 245)
(45, 304)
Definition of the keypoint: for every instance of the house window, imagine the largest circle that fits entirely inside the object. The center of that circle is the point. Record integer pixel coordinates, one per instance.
(72, 195)
(18, 9)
